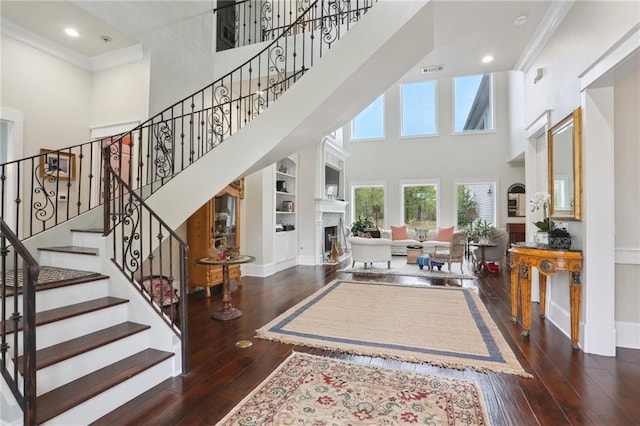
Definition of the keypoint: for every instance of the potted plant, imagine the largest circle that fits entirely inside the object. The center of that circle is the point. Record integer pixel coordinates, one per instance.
(481, 231)
(541, 202)
(362, 224)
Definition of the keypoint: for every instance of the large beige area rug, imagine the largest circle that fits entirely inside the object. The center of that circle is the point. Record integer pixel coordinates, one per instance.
(447, 327)
(400, 267)
(311, 390)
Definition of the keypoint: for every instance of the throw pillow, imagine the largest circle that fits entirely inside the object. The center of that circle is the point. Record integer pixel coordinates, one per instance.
(444, 234)
(364, 234)
(399, 232)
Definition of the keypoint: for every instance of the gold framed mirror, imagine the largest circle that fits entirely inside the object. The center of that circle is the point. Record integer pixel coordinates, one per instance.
(565, 167)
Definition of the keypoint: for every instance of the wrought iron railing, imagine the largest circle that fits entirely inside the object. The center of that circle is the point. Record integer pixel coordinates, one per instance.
(145, 246)
(41, 191)
(44, 190)
(19, 275)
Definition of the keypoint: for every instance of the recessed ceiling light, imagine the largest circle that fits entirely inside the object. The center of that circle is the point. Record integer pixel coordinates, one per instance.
(520, 20)
(487, 59)
(71, 32)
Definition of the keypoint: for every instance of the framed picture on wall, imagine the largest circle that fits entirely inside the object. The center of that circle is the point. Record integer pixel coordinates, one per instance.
(57, 164)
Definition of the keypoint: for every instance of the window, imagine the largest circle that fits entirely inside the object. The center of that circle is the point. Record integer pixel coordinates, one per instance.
(473, 103)
(418, 103)
(476, 201)
(369, 124)
(420, 205)
(368, 201)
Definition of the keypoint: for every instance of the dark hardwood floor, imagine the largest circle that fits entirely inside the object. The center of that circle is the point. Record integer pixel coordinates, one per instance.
(569, 387)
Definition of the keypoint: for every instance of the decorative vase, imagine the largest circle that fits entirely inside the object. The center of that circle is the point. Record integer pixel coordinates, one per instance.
(212, 252)
(542, 238)
(560, 240)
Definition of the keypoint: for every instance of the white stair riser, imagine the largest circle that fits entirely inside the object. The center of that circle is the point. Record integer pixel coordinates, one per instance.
(67, 295)
(66, 371)
(82, 262)
(111, 399)
(87, 239)
(70, 328)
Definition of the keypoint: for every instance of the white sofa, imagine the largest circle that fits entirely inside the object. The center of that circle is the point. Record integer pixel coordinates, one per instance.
(399, 247)
(369, 250)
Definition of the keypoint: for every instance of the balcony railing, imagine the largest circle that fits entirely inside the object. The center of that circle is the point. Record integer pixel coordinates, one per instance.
(248, 22)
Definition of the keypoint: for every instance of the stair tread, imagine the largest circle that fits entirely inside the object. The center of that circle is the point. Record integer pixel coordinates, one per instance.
(70, 348)
(57, 314)
(61, 399)
(72, 249)
(89, 230)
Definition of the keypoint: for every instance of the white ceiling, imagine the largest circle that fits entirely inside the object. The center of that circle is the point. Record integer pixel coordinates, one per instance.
(465, 31)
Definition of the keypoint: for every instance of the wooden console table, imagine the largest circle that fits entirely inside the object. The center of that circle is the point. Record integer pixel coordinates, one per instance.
(547, 260)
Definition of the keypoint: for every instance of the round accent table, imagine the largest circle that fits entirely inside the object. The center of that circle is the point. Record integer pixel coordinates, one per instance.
(227, 311)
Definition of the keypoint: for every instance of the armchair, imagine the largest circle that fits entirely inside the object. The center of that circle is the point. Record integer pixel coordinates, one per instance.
(453, 253)
(369, 250)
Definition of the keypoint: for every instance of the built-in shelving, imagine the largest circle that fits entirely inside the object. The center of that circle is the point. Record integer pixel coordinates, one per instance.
(285, 193)
(286, 212)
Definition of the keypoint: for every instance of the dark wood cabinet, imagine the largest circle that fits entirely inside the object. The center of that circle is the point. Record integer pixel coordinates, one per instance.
(517, 233)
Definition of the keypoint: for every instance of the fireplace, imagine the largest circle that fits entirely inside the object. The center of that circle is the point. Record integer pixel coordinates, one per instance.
(328, 231)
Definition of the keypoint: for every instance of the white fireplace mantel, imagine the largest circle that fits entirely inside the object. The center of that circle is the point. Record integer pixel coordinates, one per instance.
(331, 206)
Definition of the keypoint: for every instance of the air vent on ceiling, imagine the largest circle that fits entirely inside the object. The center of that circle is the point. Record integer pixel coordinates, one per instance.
(429, 70)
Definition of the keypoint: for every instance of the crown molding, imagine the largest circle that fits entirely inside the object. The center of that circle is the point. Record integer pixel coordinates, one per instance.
(101, 62)
(617, 62)
(550, 22)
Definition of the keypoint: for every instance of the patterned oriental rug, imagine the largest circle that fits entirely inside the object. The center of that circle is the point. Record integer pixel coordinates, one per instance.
(446, 327)
(311, 390)
(49, 274)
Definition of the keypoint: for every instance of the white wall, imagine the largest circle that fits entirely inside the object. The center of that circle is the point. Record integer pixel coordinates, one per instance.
(445, 157)
(188, 67)
(627, 203)
(121, 94)
(588, 30)
(53, 95)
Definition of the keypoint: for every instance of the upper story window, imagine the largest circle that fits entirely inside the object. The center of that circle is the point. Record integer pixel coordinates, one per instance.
(369, 124)
(419, 106)
(473, 103)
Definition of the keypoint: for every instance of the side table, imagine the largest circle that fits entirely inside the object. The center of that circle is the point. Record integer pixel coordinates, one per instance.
(480, 262)
(412, 253)
(227, 311)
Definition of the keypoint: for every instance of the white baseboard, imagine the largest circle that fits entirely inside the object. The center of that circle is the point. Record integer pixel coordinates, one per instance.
(628, 334)
(262, 271)
(559, 317)
(257, 270)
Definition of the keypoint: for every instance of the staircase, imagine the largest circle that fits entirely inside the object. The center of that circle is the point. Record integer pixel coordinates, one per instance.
(99, 343)
(96, 348)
